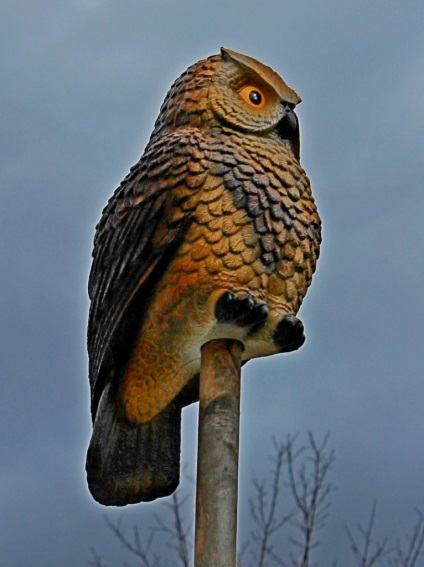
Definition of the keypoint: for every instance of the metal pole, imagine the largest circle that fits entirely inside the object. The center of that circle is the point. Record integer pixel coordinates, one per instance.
(217, 461)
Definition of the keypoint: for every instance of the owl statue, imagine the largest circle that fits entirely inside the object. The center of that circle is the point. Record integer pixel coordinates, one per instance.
(213, 234)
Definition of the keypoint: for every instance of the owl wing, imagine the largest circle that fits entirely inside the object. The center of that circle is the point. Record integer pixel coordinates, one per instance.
(140, 229)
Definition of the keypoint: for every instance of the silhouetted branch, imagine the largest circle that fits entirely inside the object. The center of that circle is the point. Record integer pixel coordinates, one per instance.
(364, 556)
(135, 546)
(176, 530)
(415, 548)
(307, 471)
(264, 511)
(97, 560)
(310, 491)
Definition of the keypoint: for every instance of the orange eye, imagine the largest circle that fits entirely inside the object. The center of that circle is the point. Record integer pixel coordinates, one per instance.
(253, 96)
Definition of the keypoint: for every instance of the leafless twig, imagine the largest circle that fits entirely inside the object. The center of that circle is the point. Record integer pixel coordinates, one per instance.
(135, 546)
(364, 556)
(310, 491)
(179, 534)
(415, 548)
(264, 509)
(97, 560)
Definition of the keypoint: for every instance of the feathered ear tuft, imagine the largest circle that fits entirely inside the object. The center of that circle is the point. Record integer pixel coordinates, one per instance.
(224, 54)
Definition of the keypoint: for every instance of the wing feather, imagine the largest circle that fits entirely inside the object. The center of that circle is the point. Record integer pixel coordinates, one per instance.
(139, 231)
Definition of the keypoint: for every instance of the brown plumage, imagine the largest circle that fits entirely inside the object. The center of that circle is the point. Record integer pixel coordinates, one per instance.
(213, 234)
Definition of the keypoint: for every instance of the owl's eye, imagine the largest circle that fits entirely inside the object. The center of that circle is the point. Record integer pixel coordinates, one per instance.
(253, 96)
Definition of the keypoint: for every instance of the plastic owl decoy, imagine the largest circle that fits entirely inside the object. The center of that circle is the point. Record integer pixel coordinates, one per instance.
(213, 234)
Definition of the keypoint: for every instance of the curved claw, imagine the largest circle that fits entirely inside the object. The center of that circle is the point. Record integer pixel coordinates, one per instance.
(289, 334)
(241, 310)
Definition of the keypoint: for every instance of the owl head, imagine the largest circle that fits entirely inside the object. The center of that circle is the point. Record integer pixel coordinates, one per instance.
(234, 91)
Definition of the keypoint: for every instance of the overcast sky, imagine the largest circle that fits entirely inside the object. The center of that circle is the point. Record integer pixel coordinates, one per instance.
(81, 83)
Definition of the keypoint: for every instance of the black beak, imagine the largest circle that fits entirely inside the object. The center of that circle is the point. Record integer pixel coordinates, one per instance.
(288, 129)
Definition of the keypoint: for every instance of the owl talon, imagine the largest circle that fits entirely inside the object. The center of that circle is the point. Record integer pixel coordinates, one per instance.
(289, 334)
(241, 310)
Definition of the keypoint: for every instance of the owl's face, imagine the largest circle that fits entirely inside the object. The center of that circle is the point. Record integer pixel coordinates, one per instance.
(252, 98)
(236, 91)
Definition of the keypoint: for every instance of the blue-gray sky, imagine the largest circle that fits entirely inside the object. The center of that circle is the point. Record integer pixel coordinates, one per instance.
(81, 86)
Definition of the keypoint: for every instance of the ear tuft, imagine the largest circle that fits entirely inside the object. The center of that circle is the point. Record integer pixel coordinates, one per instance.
(224, 54)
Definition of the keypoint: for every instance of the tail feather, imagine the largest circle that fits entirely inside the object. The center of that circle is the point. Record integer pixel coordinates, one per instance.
(129, 463)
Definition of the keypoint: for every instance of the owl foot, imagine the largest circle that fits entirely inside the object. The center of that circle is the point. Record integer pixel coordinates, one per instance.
(241, 310)
(288, 335)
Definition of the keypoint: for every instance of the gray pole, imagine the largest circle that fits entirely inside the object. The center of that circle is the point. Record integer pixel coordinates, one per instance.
(217, 461)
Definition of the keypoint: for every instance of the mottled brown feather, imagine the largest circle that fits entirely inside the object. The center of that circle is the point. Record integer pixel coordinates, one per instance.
(140, 225)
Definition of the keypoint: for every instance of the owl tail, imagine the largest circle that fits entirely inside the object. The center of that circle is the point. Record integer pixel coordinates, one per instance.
(129, 463)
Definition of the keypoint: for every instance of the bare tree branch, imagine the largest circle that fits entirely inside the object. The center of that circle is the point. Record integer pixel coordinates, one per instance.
(310, 491)
(176, 530)
(97, 560)
(364, 556)
(306, 471)
(263, 509)
(177, 536)
(135, 547)
(415, 548)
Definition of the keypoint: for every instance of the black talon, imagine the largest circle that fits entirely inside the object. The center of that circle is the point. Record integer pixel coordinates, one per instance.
(241, 310)
(289, 334)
